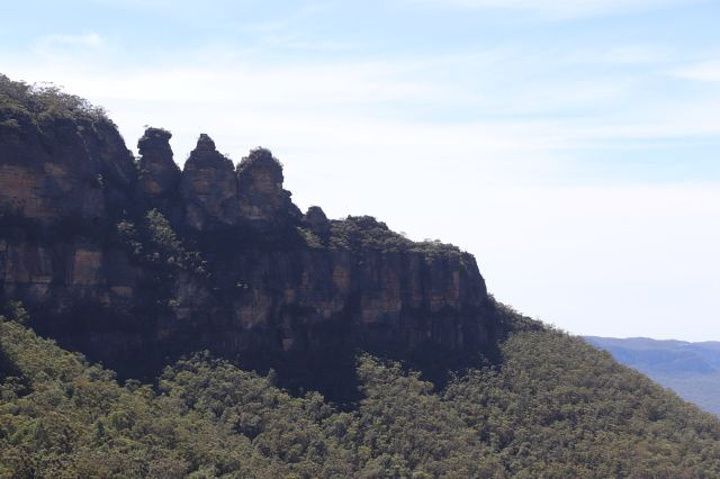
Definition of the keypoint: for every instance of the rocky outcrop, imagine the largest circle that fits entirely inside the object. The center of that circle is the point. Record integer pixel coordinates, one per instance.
(215, 196)
(159, 176)
(237, 270)
(264, 204)
(209, 187)
(317, 221)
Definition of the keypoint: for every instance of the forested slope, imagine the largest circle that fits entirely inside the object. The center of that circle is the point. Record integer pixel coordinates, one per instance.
(554, 407)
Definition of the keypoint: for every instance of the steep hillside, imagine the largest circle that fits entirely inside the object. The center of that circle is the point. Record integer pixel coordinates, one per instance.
(554, 408)
(690, 369)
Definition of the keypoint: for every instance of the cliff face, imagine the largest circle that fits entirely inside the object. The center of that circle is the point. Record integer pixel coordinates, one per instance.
(63, 168)
(125, 260)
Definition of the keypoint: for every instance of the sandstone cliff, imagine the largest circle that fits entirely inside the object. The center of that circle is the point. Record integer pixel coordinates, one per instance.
(125, 259)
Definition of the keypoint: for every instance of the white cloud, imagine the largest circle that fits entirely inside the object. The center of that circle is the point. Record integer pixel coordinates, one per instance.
(359, 106)
(558, 9)
(706, 71)
(86, 41)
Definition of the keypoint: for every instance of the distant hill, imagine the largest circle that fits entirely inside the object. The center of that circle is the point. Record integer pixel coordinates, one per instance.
(690, 369)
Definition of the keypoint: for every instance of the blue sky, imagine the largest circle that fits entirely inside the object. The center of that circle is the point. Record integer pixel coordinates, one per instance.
(573, 147)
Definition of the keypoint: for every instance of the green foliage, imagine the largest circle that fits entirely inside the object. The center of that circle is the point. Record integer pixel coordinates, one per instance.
(559, 408)
(285, 429)
(156, 243)
(403, 429)
(258, 156)
(78, 422)
(311, 239)
(554, 408)
(14, 311)
(509, 319)
(365, 232)
(357, 232)
(39, 103)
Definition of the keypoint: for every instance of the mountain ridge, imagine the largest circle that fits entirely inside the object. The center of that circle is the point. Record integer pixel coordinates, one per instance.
(213, 255)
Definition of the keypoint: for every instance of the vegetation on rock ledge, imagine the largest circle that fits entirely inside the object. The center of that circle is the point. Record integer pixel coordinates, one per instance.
(365, 232)
(39, 103)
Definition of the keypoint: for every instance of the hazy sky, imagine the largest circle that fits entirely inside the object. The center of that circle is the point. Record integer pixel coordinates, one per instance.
(572, 146)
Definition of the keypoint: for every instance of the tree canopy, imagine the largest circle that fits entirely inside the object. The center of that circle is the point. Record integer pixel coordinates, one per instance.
(554, 407)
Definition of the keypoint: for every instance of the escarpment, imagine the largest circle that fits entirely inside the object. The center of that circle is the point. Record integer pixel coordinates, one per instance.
(63, 168)
(133, 262)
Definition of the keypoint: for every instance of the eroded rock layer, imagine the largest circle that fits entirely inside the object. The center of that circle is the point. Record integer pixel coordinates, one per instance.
(126, 259)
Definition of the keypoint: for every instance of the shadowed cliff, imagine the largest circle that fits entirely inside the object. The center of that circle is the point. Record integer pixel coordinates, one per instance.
(136, 262)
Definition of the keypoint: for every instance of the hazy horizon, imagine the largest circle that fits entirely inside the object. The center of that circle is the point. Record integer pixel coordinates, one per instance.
(571, 147)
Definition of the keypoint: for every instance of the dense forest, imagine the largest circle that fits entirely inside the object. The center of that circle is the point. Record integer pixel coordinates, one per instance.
(554, 407)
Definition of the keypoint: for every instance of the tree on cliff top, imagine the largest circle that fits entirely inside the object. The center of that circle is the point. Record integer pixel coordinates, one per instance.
(43, 101)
